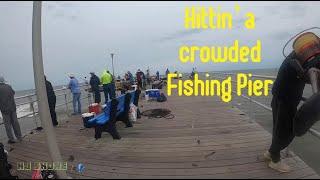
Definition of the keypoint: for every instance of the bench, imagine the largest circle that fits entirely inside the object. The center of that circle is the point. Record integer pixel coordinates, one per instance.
(116, 110)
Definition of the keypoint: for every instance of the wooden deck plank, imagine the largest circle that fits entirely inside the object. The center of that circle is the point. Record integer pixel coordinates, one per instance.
(214, 141)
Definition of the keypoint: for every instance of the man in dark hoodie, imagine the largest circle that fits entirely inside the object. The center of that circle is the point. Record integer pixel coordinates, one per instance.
(51, 101)
(94, 83)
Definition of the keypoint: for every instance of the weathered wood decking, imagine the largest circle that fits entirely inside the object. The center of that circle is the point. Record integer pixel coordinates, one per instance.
(206, 139)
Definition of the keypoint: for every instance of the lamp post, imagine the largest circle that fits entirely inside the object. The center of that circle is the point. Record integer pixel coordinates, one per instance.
(112, 54)
(41, 88)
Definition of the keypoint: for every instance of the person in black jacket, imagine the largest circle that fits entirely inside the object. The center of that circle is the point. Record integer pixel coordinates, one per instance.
(287, 93)
(52, 102)
(95, 82)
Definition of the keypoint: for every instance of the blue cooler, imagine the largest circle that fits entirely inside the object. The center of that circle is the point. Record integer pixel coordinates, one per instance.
(153, 93)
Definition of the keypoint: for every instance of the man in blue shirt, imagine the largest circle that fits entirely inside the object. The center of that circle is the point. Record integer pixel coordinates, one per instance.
(76, 92)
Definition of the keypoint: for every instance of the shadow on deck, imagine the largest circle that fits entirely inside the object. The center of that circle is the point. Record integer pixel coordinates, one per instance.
(206, 139)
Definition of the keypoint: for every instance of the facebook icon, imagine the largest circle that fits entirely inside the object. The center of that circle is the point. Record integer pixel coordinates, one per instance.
(80, 168)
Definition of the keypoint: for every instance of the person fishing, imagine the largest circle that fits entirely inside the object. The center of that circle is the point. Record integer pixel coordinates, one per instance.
(130, 78)
(94, 83)
(140, 77)
(148, 78)
(52, 99)
(112, 86)
(287, 93)
(8, 110)
(107, 82)
(76, 94)
(158, 75)
(167, 71)
(192, 74)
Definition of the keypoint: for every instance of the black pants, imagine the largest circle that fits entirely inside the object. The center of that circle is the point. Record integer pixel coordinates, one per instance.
(140, 84)
(283, 130)
(52, 108)
(97, 96)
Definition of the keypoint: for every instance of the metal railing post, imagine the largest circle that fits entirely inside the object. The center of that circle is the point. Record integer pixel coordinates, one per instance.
(89, 98)
(66, 102)
(33, 112)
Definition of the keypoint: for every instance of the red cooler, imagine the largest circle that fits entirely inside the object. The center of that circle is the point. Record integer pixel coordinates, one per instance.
(95, 108)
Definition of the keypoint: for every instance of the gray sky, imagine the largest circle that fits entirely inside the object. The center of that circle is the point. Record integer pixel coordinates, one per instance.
(78, 36)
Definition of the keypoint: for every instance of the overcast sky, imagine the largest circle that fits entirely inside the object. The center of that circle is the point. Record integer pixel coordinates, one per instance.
(79, 36)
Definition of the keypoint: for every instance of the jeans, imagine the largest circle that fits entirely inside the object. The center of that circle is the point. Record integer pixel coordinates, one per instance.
(109, 91)
(283, 127)
(76, 99)
(11, 122)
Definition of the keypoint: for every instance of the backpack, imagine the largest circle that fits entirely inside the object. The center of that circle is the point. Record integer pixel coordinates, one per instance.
(4, 165)
(162, 98)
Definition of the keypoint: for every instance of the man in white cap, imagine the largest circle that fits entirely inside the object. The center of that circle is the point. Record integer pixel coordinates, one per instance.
(76, 94)
(8, 110)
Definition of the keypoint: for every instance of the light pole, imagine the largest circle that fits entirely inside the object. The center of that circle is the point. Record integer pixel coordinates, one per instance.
(112, 54)
(41, 88)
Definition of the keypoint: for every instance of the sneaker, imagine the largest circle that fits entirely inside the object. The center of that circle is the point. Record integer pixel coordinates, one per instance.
(280, 166)
(11, 141)
(267, 156)
(20, 139)
(73, 114)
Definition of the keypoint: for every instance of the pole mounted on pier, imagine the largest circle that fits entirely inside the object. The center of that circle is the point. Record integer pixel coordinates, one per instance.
(112, 54)
(41, 88)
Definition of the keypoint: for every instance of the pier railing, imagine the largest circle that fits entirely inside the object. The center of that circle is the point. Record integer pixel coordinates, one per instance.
(267, 107)
(64, 93)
